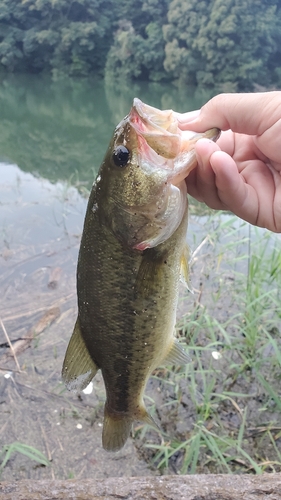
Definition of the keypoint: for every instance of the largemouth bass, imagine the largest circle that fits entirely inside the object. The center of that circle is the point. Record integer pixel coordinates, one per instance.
(133, 251)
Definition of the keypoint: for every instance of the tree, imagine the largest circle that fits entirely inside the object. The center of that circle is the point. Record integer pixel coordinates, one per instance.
(220, 41)
(138, 47)
(228, 43)
(72, 37)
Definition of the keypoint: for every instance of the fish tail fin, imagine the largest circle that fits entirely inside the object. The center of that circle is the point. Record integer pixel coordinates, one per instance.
(116, 430)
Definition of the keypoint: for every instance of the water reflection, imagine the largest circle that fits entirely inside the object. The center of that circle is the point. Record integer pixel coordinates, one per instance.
(61, 130)
(53, 128)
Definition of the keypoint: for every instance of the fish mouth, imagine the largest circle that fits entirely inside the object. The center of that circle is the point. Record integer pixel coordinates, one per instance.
(161, 143)
(158, 128)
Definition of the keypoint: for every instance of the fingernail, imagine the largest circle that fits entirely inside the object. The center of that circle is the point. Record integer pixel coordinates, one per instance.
(188, 117)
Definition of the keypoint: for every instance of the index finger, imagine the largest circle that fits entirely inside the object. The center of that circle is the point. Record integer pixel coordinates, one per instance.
(250, 114)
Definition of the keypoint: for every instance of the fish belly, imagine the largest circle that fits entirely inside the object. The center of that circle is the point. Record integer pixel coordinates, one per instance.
(127, 303)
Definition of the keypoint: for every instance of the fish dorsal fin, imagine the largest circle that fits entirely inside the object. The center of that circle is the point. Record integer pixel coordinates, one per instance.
(184, 275)
(176, 355)
(78, 367)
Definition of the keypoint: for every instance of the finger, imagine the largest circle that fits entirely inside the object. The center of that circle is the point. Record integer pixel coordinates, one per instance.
(201, 185)
(238, 196)
(244, 113)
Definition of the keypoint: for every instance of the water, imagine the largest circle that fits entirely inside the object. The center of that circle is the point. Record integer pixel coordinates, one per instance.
(53, 136)
(58, 130)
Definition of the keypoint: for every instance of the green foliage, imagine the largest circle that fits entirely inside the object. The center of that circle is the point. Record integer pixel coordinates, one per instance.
(231, 43)
(221, 413)
(222, 41)
(64, 37)
(138, 47)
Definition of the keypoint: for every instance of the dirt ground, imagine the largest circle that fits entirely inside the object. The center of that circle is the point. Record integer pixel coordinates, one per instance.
(40, 229)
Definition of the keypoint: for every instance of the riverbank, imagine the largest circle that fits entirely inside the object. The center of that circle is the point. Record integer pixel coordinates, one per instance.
(219, 414)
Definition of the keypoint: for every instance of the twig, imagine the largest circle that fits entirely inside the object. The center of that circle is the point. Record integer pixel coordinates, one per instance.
(40, 309)
(2, 369)
(46, 320)
(60, 445)
(10, 345)
(3, 427)
(81, 472)
(197, 250)
(49, 455)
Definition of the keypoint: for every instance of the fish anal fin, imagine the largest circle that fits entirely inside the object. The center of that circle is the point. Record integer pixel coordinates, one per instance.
(78, 367)
(149, 420)
(176, 355)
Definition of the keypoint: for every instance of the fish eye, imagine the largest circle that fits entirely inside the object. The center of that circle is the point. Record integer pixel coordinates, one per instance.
(121, 156)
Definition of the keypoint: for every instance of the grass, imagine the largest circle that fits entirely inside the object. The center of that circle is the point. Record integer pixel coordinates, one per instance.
(222, 412)
(24, 449)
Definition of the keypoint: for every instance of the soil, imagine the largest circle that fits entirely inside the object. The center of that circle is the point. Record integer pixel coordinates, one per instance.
(40, 230)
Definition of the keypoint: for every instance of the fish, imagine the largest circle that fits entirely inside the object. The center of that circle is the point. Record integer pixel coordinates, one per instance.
(132, 256)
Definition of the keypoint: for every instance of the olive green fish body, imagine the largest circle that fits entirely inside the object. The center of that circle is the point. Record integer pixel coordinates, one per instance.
(128, 297)
(127, 304)
(131, 256)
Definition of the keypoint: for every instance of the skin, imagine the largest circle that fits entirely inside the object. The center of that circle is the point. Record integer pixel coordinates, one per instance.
(242, 171)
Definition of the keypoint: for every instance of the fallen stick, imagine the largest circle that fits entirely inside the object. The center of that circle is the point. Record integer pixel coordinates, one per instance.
(20, 345)
(10, 345)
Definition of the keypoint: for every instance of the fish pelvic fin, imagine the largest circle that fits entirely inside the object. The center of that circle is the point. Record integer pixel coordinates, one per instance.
(78, 367)
(184, 273)
(117, 427)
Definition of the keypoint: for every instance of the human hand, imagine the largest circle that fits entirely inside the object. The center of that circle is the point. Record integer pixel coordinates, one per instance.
(242, 171)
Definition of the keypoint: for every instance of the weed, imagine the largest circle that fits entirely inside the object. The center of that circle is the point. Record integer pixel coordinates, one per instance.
(220, 402)
(24, 449)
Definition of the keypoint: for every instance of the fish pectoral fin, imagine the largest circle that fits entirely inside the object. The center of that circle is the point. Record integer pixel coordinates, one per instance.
(149, 271)
(184, 274)
(177, 355)
(116, 430)
(78, 367)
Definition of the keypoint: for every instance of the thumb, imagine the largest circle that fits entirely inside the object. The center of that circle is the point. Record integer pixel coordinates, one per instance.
(250, 114)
